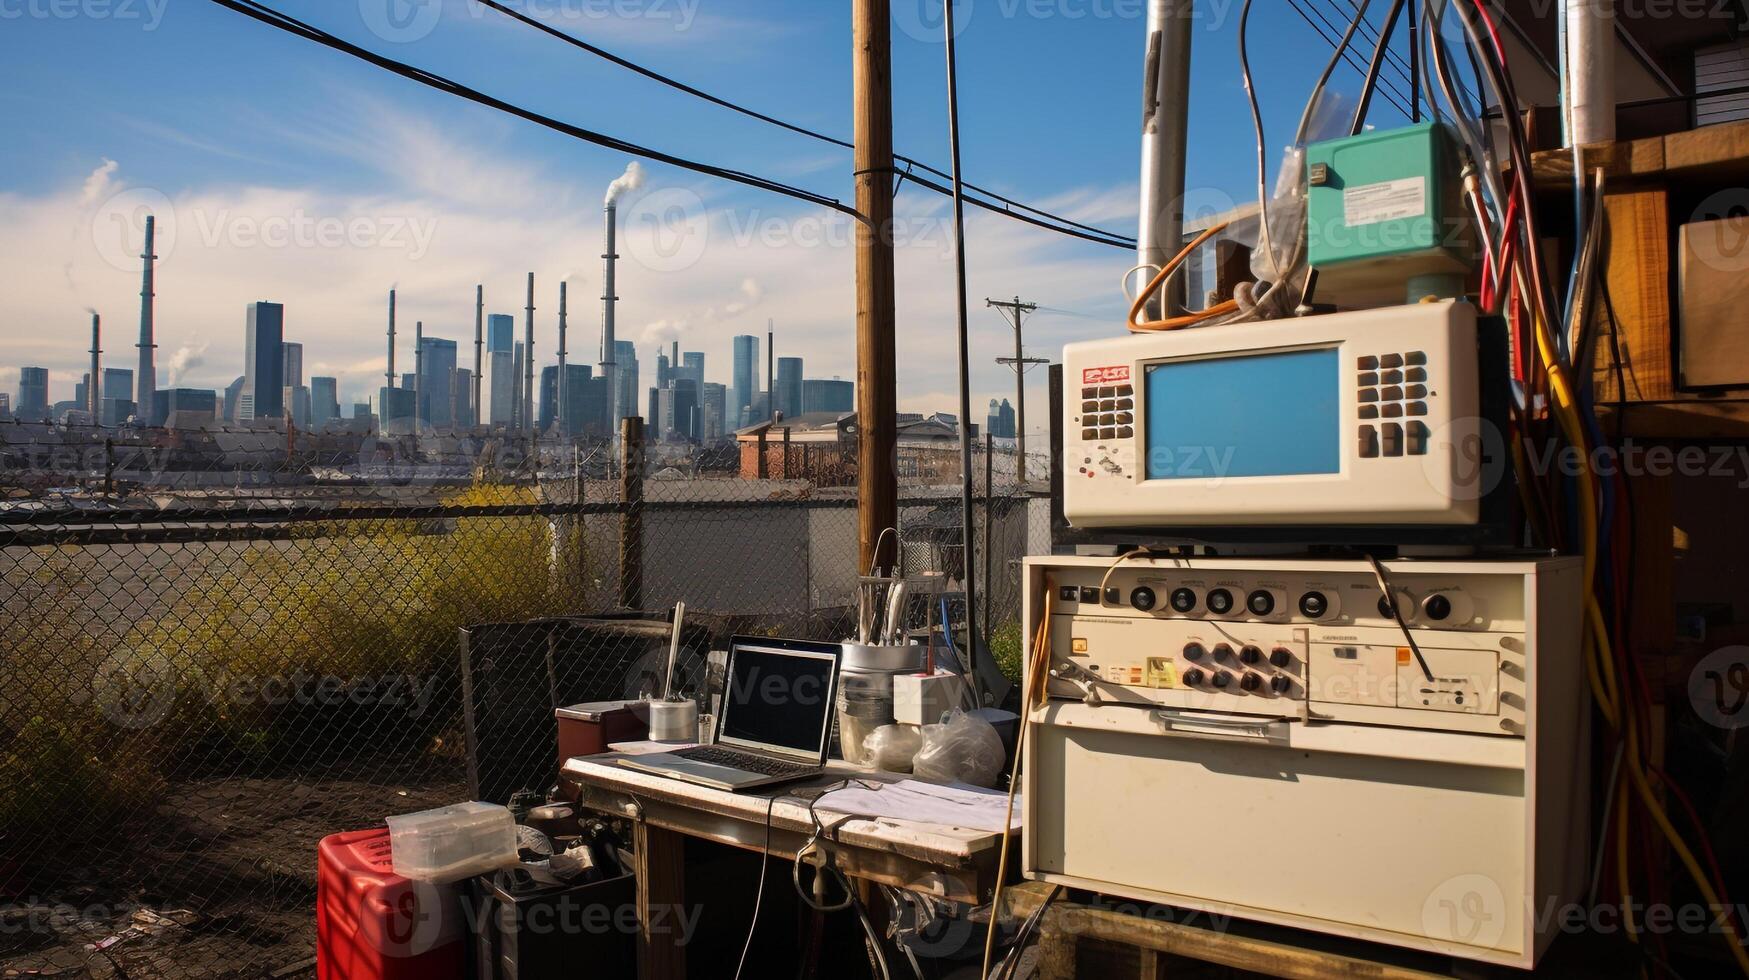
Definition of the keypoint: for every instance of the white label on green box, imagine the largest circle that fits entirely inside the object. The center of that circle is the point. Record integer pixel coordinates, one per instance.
(1390, 200)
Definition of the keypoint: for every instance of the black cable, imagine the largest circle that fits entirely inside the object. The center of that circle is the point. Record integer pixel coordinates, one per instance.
(1372, 68)
(1340, 54)
(759, 896)
(1330, 37)
(696, 92)
(291, 25)
(1101, 239)
(1370, 36)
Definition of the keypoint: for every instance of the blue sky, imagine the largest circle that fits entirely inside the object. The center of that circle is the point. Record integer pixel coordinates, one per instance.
(288, 172)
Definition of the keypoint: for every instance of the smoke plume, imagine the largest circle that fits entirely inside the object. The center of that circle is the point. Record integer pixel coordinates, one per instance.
(187, 357)
(631, 180)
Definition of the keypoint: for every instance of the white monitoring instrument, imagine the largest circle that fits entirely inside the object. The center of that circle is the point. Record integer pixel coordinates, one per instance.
(1360, 418)
(1259, 738)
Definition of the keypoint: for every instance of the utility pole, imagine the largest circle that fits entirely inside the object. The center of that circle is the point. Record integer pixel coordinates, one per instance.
(1019, 362)
(877, 483)
(479, 342)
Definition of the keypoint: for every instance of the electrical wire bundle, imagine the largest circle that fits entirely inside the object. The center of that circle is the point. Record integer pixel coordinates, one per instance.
(1553, 327)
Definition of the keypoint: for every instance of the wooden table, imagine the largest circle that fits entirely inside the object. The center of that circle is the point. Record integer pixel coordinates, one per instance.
(950, 863)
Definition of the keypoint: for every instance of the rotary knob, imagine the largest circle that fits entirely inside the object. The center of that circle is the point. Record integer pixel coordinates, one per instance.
(1222, 679)
(1193, 651)
(1250, 654)
(1280, 684)
(1313, 605)
(1250, 682)
(1183, 600)
(1142, 598)
(1193, 676)
(1281, 657)
(1261, 603)
(1220, 602)
(1436, 607)
(1223, 652)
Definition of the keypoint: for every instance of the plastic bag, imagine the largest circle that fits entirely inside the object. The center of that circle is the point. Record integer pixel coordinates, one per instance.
(963, 748)
(890, 748)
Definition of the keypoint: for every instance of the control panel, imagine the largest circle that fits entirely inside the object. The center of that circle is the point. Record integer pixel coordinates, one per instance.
(1369, 417)
(1306, 640)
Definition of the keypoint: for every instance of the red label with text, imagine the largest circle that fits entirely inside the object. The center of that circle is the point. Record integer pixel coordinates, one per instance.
(1105, 375)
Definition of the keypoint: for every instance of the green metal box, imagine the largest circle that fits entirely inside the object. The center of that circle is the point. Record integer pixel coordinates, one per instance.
(1385, 217)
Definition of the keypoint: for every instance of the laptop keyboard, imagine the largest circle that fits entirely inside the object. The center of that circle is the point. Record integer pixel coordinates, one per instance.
(746, 761)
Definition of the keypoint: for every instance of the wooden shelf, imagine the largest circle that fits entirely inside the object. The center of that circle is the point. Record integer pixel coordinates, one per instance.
(1718, 152)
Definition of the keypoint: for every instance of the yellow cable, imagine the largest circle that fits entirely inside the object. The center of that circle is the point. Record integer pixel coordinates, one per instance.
(1137, 325)
(1566, 412)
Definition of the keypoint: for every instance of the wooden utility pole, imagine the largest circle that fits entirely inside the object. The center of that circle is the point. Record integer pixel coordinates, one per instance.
(877, 482)
(1020, 362)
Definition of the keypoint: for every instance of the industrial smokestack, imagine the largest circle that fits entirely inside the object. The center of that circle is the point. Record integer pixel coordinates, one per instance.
(609, 257)
(389, 375)
(479, 341)
(147, 379)
(418, 371)
(94, 385)
(559, 383)
(528, 360)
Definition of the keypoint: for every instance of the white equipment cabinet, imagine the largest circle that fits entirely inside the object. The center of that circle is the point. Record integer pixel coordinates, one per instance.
(1256, 738)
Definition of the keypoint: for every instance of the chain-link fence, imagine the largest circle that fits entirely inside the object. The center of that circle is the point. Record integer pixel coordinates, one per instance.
(219, 646)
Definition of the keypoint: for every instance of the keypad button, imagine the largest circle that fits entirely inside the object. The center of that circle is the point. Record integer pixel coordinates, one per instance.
(1393, 411)
(1369, 442)
(1125, 404)
(1417, 408)
(1415, 391)
(1369, 411)
(1107, 404)
(1125, 418)
(1107, 392)
(1418, 435)
(1392, 394)
(1125, 432)
(1091, 406)
(1089, 435)
(1416, 357)
(1369, 395)
(1391, 361)
(1108, 433)
(1391, 439)
(1124, 391)
(1415, 374)
(1089, 392)
(1392, 377)
(1367, 363)
(1368, 379)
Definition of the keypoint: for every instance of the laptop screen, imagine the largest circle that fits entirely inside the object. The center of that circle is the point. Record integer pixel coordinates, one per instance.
(779, 698)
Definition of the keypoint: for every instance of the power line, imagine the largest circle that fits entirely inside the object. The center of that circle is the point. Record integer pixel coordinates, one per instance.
(681, 86)
(1389, 93)
(291, 25)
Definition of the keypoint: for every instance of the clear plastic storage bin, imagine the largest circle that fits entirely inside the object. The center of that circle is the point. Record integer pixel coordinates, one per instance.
(453, 842)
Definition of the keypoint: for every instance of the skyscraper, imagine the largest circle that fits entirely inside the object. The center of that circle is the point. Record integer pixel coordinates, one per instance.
(500, 332)
(684, 408)
(712, 403)
(297, 405)
(745, 379)
(692, 366)
(1000, 420)
(498, 389)
(437, 381)
(836, 396)
(625, 378)
(461, 398)
(663, 370)
(263, 394)
(33, 394)
(233, 399)
(789, 386)
(118, 383)
(324, 401)
(294, 364)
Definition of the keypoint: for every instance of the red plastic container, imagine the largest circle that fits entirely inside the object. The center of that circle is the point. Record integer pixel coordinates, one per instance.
(372, 924)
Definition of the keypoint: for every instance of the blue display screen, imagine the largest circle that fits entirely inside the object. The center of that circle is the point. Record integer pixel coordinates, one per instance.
(1256, 415)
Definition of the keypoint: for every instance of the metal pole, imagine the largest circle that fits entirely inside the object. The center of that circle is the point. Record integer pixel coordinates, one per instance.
(631, 495)
(877, 485)
(1589, 71)
(989, 516)
(528, 363)
(1165, 121)
(959, 247)
(559, 419)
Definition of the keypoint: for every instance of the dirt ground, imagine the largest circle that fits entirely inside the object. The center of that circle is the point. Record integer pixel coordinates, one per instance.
(225, 888)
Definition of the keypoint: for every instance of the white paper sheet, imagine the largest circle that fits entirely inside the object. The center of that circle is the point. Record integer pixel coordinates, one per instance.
(915, 801)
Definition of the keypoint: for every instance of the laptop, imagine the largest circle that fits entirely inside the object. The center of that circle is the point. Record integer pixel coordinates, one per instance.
(775, 721)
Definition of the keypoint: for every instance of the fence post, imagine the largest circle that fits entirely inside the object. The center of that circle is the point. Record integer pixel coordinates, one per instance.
(108, 465)
(631, 495)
